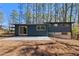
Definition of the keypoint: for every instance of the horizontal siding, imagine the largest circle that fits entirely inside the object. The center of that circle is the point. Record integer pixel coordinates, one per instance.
(32, 31)
(59, 28)
(50, 28)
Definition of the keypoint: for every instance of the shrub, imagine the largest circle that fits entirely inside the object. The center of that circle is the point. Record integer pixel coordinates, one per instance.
(75, 31)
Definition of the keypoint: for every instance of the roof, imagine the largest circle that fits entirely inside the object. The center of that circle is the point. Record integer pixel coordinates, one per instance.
(48, 23)
(59, 22)
(29, 24)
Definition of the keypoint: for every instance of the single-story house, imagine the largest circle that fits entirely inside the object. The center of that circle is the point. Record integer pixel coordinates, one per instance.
(42, 29)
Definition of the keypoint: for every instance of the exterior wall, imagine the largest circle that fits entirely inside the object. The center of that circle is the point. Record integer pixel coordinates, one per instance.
(49, 28)
(16, 30)
(59, 28)
(33, 32)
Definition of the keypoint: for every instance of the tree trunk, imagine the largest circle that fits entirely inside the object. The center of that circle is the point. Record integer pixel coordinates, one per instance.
(65, 16)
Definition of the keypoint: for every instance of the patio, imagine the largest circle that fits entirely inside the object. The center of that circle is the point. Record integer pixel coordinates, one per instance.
(27, 38)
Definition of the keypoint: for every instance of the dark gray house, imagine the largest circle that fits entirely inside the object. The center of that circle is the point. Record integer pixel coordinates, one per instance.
(42, 29)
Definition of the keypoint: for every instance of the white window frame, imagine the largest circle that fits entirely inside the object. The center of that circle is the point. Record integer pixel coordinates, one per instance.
(55, 25)
(39, 28)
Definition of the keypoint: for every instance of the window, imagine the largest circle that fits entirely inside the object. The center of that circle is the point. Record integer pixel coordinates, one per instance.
(55, 25)
(40, 27)
(65, 25)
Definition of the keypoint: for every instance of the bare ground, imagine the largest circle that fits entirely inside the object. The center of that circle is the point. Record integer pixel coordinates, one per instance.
(54, 47)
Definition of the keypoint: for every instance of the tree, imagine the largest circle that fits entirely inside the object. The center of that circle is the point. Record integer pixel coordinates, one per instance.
(39, 14)
(78, 14)
(21, 10)
(43, 12)
(56, 11)
(34, 13)
(1, 18)
(14, 17)
(71, 12)
(28, 16)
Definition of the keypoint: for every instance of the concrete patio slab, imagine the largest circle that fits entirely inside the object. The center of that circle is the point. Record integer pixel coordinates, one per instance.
(27, 38)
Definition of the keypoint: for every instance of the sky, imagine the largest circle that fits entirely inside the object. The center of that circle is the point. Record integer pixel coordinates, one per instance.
(6, 8)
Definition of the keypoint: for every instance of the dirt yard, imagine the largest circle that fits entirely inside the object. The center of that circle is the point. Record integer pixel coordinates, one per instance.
(53, 47)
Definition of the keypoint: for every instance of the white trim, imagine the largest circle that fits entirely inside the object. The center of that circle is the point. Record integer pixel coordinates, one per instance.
(40, 28)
